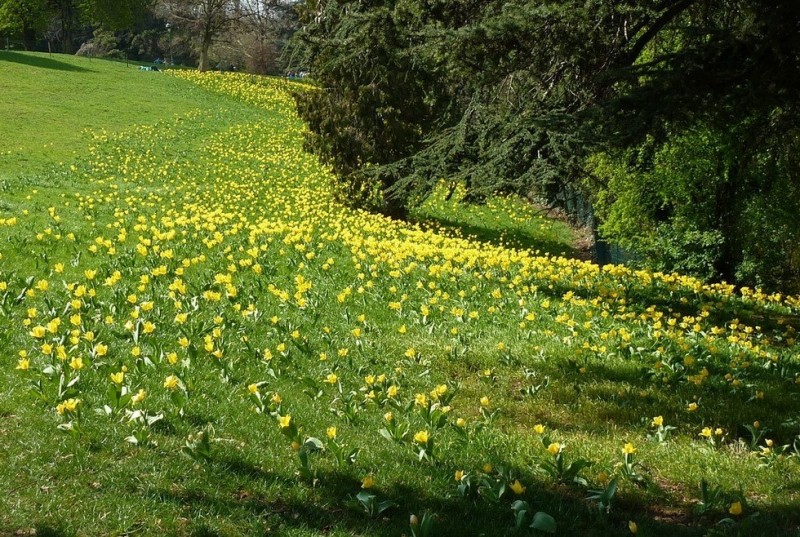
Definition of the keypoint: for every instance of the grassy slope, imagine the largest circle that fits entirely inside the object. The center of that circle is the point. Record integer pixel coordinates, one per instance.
(49, 102)
(212, 168)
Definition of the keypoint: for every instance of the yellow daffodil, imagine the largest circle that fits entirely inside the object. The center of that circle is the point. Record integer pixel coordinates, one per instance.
(517, 487)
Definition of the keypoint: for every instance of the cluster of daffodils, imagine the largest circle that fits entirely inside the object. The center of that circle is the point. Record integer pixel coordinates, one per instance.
(238, 265)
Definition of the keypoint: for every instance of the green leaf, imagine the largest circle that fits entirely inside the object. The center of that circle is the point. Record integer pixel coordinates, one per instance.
(543, 522)
(313, 444)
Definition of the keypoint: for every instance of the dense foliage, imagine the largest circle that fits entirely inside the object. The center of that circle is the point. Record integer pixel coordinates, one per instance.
(677, 118)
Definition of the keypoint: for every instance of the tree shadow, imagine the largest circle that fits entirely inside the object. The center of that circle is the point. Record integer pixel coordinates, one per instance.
(330, 508)
(508, 237)
(613, 398)
(41, 62)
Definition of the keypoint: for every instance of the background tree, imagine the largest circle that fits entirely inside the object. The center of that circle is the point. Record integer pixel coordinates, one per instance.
(61, 19)
(263, 34)
(24, 17)
(206, 20)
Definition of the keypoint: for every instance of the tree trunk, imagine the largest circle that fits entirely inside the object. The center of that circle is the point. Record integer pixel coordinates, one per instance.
(28, 38)
(66, 26)
(204, 52)
(727, 213)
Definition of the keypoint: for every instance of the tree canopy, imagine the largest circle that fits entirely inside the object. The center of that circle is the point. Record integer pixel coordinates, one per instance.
(530, 96)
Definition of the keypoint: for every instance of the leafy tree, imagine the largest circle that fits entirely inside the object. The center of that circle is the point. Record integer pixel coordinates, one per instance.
(62, 18)
(206, 20)
(23, 17)
(524, 95)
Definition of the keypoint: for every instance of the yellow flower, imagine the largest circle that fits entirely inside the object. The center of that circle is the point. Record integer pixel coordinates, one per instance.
(70, 405)
(487, 468)
(388, 416)
(538, 428)
(461, 422)
(485, 402)
(76, 363)
(735, 509)
(368, 482)
(628, 449)
(517, 487)
(706, 432)
(253, 389)
(171, 382)
(331, 378)
(23, 364)
(117, 378)
(285, 422)
(331, 432)
(554, 448)
(692, 407)
(633, 527)
(38, 332)
(658, 421)
(459, 475)
(421, 437)
(138, 397)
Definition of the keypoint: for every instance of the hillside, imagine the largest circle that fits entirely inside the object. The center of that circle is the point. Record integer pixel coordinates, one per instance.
(200, 339)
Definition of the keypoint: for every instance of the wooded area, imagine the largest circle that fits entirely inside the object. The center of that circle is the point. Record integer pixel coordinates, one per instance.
(212, 34)
(677, 119)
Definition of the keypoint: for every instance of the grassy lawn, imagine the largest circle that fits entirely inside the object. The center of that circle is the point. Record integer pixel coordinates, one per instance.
(50, 103)
(197, 339)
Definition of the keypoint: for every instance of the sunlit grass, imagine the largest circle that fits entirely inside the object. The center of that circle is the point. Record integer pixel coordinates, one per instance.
(49, 103)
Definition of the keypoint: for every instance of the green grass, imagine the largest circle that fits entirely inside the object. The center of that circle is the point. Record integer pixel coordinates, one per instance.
(506, 221)
(225, 191)
(50, 102)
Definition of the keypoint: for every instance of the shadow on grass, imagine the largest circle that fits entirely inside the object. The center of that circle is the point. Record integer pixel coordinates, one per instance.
(328, 506)
(613, 397)
(41, 61)
(509, 237)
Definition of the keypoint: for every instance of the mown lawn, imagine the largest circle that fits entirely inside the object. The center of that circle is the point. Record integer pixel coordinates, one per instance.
(51, 102)
(199, 339)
